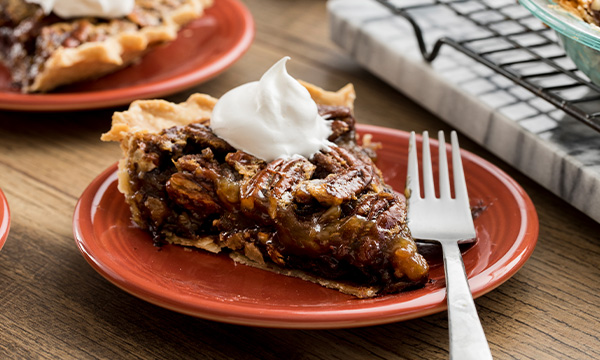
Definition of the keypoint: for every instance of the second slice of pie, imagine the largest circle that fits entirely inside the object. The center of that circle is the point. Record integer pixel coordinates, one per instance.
(43, 51)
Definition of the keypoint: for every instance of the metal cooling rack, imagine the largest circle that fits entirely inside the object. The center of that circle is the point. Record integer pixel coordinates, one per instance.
(515, 44)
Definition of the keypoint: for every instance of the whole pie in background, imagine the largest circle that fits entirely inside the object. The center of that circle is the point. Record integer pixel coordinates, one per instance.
(587, 10)
(43, 51)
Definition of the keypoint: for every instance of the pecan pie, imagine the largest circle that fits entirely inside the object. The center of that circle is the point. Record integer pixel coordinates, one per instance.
(587, 10)
(43, 51)
(329, 219)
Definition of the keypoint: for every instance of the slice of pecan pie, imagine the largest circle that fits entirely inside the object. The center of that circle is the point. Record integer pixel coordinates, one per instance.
(43, 51)
(329, 219)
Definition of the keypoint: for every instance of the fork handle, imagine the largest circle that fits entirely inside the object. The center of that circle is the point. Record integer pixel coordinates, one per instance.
(467, 339)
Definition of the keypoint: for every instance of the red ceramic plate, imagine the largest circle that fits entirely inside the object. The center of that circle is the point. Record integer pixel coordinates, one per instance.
(4, 219)
(203, 49)
(213, 287)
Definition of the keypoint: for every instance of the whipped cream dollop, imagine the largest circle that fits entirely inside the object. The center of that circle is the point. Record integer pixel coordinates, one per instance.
(271, 118)
(82, 8)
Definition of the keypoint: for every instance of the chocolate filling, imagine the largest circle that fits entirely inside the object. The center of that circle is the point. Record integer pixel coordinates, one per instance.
(331, 215)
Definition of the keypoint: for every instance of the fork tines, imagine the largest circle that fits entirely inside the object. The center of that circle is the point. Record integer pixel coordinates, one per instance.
(460, 186)
(457, 206)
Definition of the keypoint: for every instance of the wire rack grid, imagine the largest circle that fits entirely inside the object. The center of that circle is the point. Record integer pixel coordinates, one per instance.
(515, 44)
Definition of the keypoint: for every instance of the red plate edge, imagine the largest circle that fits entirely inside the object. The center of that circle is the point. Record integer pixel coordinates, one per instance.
(233, 313)
(4, 219)
(122, 96)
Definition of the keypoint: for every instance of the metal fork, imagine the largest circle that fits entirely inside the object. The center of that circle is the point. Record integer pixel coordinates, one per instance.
(449, 222)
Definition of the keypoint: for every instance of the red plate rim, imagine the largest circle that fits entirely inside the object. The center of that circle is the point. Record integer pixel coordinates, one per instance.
(4, 219)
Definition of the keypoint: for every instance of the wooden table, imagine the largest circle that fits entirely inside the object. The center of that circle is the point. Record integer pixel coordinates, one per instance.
(54, 305)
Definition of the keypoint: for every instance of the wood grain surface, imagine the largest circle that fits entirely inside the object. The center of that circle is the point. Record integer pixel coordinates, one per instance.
(53, 305)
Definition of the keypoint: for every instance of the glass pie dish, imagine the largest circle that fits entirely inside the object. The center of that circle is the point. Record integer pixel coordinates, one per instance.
(580, 39)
